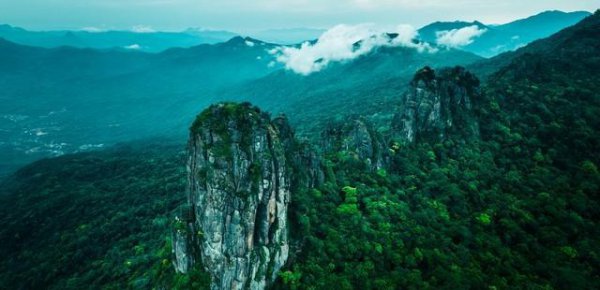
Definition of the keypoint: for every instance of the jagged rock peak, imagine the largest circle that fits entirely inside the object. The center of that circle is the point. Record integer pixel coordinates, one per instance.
(437, 105)
(239, 190)
(356, 137)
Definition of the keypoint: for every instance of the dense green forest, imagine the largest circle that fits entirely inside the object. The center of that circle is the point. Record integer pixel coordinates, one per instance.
(516, 207)
(519, 209)
(94, 220)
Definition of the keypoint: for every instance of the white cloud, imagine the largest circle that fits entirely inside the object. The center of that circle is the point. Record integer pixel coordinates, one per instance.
(142, 29)
(459, 37)
(133, 47)
(342, 43)
(249, 43)
(92, 29)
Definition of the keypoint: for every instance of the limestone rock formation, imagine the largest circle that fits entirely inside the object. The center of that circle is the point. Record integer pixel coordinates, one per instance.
(356, 137)
(438, 104)
(239, 190)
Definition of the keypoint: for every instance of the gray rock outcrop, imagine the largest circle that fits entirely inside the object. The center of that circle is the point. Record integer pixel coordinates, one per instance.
(436, 105)
(239, 190)
(356, 137)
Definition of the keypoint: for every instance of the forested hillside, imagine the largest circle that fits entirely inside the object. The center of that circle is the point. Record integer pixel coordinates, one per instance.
(470, 181)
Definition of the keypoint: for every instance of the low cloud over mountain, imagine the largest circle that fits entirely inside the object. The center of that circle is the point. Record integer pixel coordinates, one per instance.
(342, 43)
(459, 37)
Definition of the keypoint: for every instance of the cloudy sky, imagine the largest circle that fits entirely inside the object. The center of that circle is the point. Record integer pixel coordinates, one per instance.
(252, 15)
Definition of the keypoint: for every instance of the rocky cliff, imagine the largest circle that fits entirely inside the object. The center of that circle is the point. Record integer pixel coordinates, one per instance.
(436, 105)
(239, 190)
(356, 137)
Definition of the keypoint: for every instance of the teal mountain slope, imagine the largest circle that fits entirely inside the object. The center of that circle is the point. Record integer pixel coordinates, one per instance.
(514, 205)
(507, 37)
(57, 100)
(567, 43)
(66, 99)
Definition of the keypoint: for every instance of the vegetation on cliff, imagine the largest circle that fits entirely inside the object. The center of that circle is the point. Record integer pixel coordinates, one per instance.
(516, 206)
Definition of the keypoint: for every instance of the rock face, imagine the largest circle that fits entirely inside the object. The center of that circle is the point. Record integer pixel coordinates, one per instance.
(356, 137)
(239, 190)
(436, 105)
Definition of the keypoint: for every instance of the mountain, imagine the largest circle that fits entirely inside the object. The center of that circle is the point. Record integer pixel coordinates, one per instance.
(52, 95)
(568, 40)
(498, 189)
(94, 220)
(67, 99)
(471, 185)
(289, 35)
(549, 89)
(429, 32)
(507, 37)
(240, 184)
(149, 41)
(339, 90)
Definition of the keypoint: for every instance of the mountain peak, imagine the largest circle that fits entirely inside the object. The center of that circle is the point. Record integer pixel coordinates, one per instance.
(506, 37)
(243, 41)
(237, 158)
(430, 32)
(560, 12)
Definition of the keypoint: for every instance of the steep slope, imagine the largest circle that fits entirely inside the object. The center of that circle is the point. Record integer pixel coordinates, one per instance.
(516, 209)
(65, 99)
(567, 39)
(357, 138)
(550, 90)
(438, 106)
(239, 191)
(429, 32)
(510, 36)
(342, 89)
(148, 41)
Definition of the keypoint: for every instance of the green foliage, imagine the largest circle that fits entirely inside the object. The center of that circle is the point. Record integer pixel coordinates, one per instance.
(290, 278)
(518, 208)
(350, 191)
(484, 218)
(95, 220)
(589, 168)
(569, 251)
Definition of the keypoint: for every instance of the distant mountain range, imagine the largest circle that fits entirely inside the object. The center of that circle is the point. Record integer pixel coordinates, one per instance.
(67, 99)
(289, 35)
(494, 39)
(148, 41)
(506, 37)
(499, 191)
(340, 89)
(142, 40)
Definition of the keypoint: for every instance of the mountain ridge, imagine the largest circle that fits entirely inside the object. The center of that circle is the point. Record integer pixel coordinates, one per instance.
(510, 201)
(151, 41)
(509, 36)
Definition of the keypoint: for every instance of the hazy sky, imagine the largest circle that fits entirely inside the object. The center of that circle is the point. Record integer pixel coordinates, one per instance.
(251, 15)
